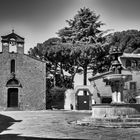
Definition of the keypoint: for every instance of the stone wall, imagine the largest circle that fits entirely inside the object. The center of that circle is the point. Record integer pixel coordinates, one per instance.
(31, 73)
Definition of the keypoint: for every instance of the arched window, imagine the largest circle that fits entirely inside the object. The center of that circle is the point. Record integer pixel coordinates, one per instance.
(13, 82)
(13, 66)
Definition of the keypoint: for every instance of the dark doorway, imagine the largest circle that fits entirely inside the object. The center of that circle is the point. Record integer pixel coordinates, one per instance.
(83, 102)
(132, 101)
(106, 100)
(13, 97)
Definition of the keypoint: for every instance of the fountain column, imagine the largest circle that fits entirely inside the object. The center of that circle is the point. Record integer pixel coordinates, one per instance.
(116, 80)
(117, 91)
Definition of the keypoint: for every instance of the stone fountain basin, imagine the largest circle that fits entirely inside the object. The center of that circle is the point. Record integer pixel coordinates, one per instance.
(113, 115)
(117, 77)
(115, 110)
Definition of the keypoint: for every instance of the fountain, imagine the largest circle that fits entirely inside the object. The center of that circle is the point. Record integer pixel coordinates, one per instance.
(118, 113)
(116, 81)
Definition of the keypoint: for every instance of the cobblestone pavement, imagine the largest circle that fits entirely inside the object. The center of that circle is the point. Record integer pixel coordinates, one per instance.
(27, 125)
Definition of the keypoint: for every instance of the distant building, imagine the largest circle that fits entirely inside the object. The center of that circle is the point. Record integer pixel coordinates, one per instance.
(131, 65)
(22, 78)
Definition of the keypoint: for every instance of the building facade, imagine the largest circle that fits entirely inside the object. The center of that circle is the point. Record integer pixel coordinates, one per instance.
(131, 64)
(22, 78)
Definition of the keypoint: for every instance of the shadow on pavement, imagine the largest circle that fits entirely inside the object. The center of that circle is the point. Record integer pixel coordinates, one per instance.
(6, 122)
(17, 137)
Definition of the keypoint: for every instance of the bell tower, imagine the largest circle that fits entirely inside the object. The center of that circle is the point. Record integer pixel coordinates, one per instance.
(12, 40)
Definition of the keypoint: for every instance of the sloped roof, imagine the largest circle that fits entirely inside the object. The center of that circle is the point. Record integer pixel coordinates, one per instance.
(32, 57)
(99, 75)
(130, 55)
(12, 35)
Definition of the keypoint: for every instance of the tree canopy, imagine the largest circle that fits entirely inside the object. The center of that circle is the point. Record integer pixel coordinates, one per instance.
(127, 41)
(80, 47)
(84, 32)
(84, 27)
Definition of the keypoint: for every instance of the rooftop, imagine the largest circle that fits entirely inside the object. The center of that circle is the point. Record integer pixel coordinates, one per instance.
(99, 75)
(14, 36)
(130, 55)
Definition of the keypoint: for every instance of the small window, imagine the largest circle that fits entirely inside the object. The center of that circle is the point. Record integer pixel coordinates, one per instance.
(132, 85)
(128, 63)
(125, 86)
(134, 64)
(13, 66)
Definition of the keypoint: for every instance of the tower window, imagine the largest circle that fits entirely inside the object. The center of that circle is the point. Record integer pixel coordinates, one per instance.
(13, 66)
(12, 45)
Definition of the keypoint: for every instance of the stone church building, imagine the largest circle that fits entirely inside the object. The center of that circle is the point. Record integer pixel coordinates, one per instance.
(22, 78)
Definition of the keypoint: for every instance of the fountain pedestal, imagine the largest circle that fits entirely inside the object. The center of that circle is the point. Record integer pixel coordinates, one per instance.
(118, 113)
(116, 81)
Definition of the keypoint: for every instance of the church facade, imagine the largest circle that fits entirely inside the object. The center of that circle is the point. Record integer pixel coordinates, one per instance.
(22, 78)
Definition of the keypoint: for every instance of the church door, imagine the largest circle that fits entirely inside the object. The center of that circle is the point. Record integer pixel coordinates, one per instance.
(13, 97)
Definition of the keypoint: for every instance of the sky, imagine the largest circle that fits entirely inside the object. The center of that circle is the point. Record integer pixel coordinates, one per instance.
(39, 20)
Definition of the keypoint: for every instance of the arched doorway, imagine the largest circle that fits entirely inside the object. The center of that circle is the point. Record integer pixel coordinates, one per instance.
(12, 97)
(12, 92)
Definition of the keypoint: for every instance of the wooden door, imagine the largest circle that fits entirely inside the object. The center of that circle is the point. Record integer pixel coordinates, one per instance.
(12, 97)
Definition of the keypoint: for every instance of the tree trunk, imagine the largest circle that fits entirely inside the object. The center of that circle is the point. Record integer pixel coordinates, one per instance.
(54, 78)
(85, 76)
(62, 75)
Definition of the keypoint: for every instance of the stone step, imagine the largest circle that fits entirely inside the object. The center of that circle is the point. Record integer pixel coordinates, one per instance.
(110, 122)
(12, 109)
